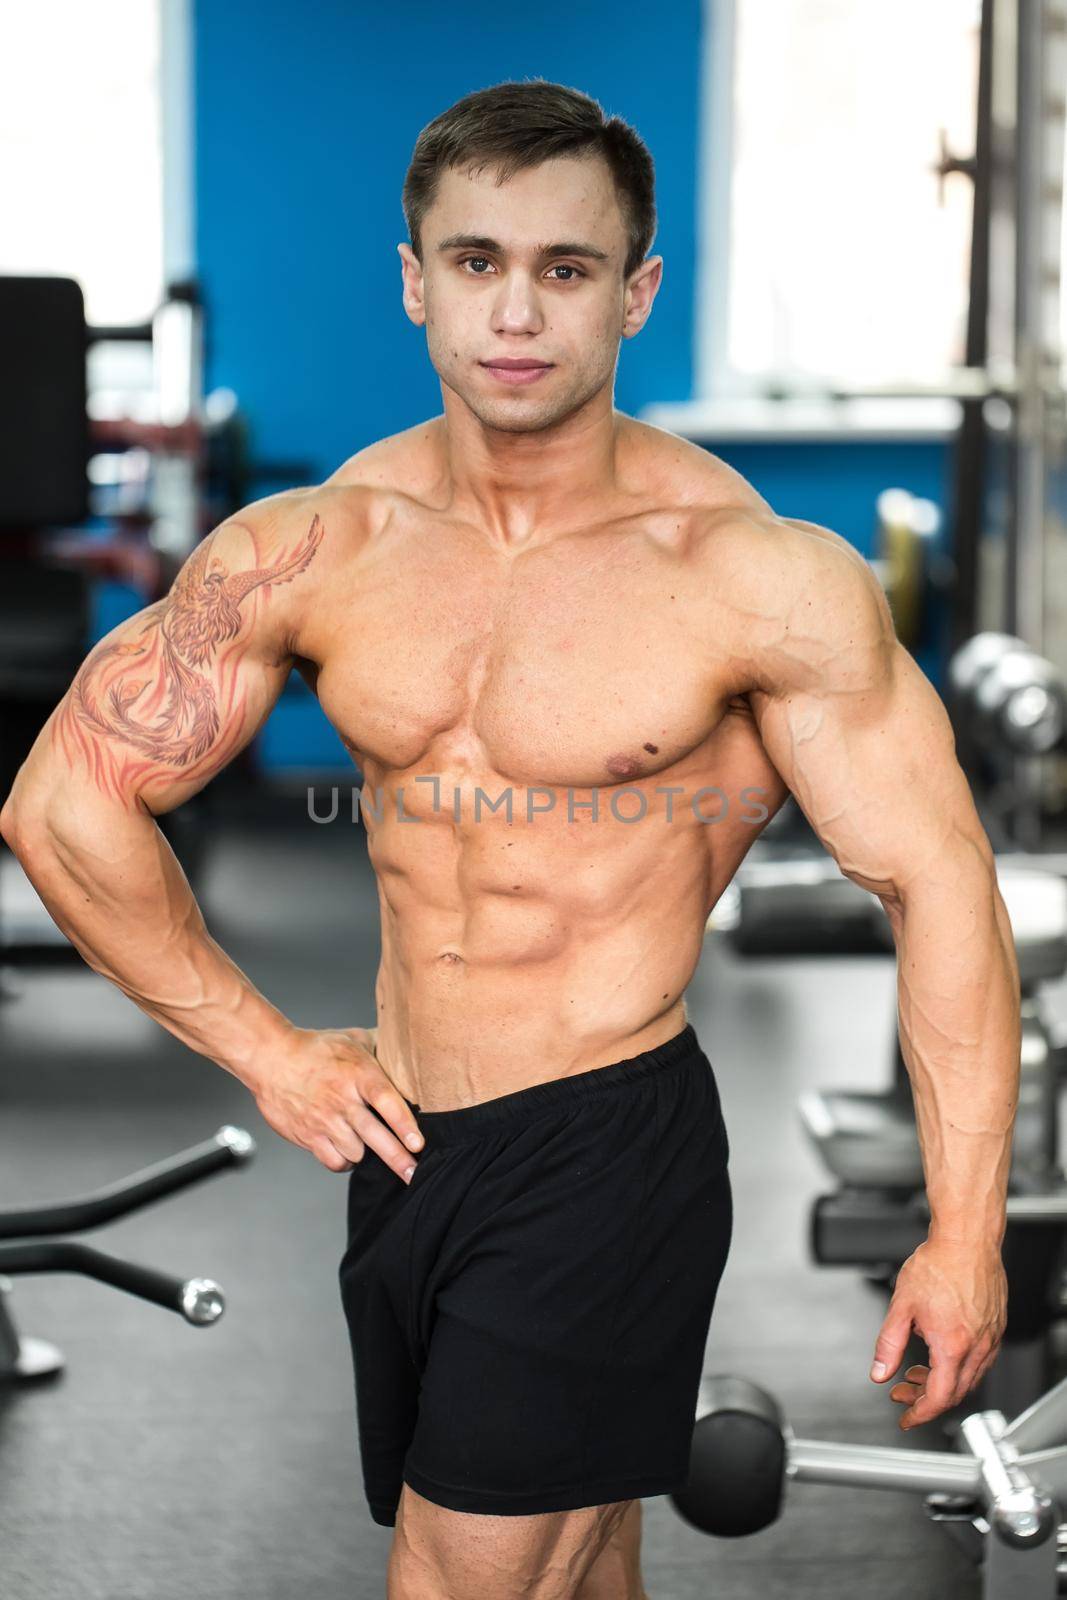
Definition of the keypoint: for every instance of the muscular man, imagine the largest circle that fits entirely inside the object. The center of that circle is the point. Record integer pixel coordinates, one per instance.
(579, 662)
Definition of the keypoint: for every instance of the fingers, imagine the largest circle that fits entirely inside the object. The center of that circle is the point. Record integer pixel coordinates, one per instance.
(345, 1140)
(361, 1111)
(382, 1118)
(351, 1129)
(938, 1392)
(342, 1107)
(327, 1152)
(891, 1342)
(957, 1365)
(910, 1392)
(377, 1137)
(905, 1392)
(377, 1090)
(341, 1148)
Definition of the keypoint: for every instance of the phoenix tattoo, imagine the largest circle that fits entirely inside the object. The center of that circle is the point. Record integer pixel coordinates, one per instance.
(168, 695)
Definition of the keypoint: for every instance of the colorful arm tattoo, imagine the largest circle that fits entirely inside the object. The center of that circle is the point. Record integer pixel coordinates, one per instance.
(175, 694)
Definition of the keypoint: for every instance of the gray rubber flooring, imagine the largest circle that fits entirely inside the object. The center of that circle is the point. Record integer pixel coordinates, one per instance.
(169, 1461)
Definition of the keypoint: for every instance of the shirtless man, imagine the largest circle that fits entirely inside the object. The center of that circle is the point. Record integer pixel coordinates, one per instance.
(535, 596)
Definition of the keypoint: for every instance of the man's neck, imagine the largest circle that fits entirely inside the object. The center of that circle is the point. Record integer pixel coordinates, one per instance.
(522, 488)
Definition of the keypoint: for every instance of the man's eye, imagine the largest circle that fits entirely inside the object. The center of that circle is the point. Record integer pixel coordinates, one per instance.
(561, 266)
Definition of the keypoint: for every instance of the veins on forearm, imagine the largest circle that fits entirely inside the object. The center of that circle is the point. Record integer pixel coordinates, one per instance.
(173, 695)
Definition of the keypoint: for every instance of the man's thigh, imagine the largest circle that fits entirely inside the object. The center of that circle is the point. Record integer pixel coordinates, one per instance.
(438, 1554)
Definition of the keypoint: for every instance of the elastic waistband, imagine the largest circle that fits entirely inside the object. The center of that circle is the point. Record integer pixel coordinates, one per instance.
(465, 1122)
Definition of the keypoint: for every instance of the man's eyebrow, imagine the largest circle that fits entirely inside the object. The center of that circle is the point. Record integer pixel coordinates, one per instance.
(478, 241)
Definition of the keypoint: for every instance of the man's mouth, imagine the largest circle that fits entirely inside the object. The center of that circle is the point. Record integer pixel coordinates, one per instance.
(514, 372)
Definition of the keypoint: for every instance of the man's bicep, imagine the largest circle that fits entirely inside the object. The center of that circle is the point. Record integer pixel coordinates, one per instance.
(865, 744)
(169, 697)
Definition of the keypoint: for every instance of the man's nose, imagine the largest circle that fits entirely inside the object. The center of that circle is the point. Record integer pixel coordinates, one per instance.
(517, 307)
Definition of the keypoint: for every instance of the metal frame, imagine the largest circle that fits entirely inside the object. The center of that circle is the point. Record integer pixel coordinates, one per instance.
(36, 1249)
(1009, 1484)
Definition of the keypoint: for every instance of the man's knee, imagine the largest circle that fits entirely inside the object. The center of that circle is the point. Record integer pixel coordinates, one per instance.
(438, 1554)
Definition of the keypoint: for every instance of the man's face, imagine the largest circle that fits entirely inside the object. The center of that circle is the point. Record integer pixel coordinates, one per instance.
(514, 295)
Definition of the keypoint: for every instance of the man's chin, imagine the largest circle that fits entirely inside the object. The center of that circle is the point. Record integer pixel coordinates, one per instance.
(528, 423)
(521, 415)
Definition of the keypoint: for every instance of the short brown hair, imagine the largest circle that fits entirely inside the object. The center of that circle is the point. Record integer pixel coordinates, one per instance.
(515, 125)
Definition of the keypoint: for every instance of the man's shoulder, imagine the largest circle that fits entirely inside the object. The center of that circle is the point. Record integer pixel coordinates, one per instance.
(339, 517)
(294, 547)
(726, 507)
(399, 463)
(756, 550)
(730, 530)
(793, 602)
(756, 575)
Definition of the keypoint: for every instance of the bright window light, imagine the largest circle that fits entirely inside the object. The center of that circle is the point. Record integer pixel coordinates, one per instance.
(843, 264)
(81, 170)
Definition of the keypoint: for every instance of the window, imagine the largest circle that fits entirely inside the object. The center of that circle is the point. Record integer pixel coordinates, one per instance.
(81, 149)
(828, 254)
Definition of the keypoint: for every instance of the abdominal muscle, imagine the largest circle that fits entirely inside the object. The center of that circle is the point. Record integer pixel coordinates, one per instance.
(515, 953)
(530, 990)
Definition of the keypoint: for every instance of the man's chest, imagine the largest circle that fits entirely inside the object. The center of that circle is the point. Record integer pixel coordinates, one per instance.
(584, 663)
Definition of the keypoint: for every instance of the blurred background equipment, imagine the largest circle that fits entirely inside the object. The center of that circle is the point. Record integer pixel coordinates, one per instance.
(199, 1300)
(43, 421)
(1012, 698)
(912, 568)
(58, 532)
(998, 1498)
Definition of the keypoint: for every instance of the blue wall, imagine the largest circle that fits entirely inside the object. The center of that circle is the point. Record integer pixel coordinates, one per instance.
(305, 121)
(306, 117)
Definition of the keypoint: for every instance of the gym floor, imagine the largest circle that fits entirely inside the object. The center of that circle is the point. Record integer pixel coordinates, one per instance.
(222, 1462)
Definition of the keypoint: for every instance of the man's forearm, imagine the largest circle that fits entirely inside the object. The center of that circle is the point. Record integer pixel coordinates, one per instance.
(113, 885)
(958, 993)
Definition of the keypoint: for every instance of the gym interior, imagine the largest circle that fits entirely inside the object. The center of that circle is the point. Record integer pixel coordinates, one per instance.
(860, 211)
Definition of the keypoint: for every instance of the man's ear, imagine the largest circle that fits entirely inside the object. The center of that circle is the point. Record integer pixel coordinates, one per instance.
(411, 270)
(640, 293)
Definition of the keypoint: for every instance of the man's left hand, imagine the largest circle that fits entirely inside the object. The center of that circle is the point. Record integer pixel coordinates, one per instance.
(956, 1297)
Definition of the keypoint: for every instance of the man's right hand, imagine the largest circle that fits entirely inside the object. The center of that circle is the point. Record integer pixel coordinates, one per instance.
(326, 1092)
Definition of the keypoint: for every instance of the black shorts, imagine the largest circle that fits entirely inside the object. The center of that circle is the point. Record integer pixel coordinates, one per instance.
(528, 1317)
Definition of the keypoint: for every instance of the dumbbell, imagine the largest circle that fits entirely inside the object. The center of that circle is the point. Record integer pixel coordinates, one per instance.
(1010, 696)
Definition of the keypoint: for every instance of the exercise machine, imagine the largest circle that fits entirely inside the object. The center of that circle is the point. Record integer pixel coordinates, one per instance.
(868, 1142)
(199, 1300)
(1001, 1493)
